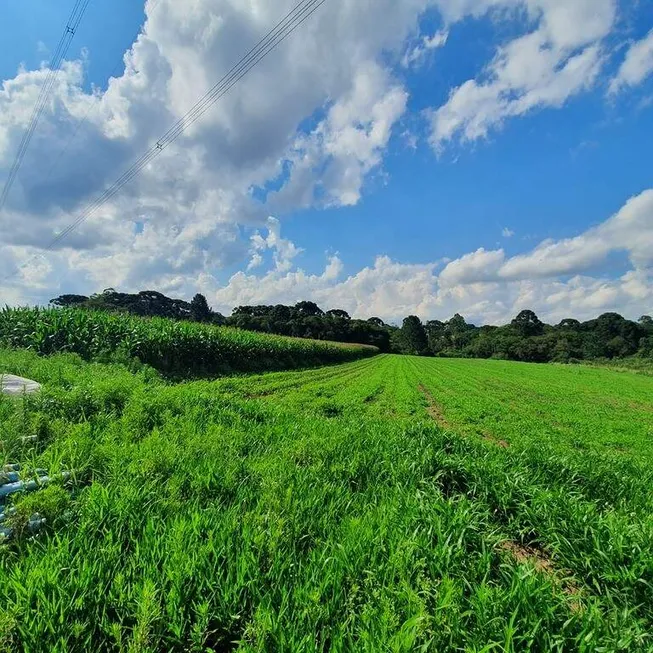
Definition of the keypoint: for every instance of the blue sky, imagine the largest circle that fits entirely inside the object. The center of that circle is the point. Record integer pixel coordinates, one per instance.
(418, 159)
(31, 31)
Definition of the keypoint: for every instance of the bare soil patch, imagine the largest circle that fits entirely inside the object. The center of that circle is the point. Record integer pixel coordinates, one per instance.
(494, 440)
(523, 554)
(543, 564)
(434, 409)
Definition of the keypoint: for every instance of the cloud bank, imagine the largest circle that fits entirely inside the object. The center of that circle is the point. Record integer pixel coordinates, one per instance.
(306, 129)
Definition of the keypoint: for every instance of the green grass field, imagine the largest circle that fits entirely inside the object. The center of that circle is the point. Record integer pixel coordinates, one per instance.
(388, 504)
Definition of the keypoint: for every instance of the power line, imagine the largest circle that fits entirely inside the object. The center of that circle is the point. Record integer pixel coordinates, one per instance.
(279, 33)
(85, 117)
(44, 95)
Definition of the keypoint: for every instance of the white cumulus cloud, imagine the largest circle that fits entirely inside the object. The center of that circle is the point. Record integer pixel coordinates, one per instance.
(542, 68)
(637, 65)
(183, 215)
(554, 279)
(306, 129)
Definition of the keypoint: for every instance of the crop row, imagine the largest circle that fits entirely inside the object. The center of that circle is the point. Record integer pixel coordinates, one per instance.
(326, 510)
(173, 347)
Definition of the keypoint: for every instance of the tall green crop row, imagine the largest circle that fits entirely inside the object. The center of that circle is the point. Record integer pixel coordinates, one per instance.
(167, 345)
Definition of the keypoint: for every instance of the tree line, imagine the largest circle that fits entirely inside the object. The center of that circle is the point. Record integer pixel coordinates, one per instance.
(303, 320)
(147, 303)
(525, 338)
(529, 339)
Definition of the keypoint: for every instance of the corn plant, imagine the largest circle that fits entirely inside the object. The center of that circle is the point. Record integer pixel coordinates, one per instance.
(172, 347)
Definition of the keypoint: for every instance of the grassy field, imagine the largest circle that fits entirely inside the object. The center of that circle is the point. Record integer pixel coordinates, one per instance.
(389, 504)
(175, 348)
(632, 364)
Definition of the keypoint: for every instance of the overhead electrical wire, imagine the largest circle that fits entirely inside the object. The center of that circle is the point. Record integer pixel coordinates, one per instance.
(85, 117)
(44, 95)
(281, 31)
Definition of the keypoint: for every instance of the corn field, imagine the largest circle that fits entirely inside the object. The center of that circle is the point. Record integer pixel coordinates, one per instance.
(172, 347)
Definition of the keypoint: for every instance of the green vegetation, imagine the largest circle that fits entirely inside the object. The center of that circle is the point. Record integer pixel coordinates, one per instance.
(173, 347)
(393, 503)
(308, 320)
(411, 338)
(303, 320)
(526, 338)
(569, 407)
(633, 364)
(147, 303)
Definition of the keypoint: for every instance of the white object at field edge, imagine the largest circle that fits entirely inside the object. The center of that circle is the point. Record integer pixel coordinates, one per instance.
(17, 386)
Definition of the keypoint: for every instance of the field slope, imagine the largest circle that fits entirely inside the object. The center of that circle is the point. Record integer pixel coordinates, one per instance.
(389, 504)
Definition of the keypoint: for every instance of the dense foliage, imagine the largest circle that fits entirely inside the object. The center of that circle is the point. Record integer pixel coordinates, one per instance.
(304, 320)
(147, 303)
(527, 338)
(171, 346)
(327, 510)
(308, 320)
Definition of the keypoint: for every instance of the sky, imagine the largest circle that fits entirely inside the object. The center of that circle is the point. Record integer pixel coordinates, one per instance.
(389, 158)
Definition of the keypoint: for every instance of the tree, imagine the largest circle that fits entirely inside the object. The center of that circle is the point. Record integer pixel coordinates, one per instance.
(413, 336)
(569, 323)
(435, 336)
(338, 313)
(281, 313)
(612, 325)
(457, 324)
(527, 324)
(199, 309)
(397, 342)
(457, 332)
(308, 308)
(435, 324)
(608, 324)
(646, 347)
(525, 338)
(69, 300)
(481, 347)
(242, 310)
(618, 347)
(646, 321)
